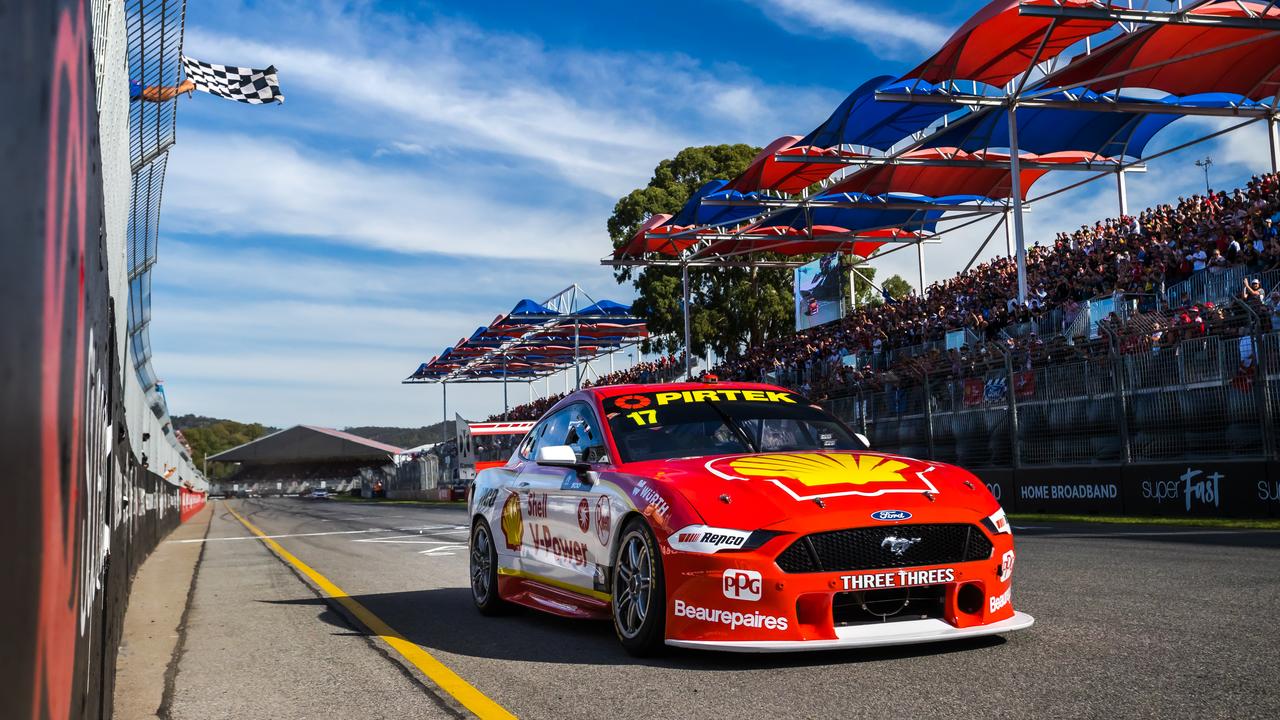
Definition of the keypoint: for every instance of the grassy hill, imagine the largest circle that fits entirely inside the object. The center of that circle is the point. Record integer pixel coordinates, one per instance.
(210, 436)
(403, 437)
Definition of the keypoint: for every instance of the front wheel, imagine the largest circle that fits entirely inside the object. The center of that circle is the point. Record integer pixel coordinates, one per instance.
(484, 570)
(639, 606)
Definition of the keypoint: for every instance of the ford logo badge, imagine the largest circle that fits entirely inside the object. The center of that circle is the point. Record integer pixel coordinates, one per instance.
(890, 515)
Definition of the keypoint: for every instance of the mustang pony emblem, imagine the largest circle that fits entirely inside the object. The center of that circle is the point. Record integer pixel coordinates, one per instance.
(898, 545)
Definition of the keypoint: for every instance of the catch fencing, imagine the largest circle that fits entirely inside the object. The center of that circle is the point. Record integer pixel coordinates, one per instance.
(1148, 424)
(1201, 398)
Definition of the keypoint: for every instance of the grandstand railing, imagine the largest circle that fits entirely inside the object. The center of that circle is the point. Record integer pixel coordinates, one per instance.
(1207, 286)
(1205, 397)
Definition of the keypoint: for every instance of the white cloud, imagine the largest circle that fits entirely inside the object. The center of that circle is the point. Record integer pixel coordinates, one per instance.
(275, 270)
(236, 184)
(599, 121)
(400, 148)
(884, 30)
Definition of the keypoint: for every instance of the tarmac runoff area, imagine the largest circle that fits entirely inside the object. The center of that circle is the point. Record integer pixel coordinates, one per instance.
(363, 611)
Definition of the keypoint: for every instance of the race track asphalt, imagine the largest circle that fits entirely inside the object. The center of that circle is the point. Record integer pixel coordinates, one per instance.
(1132, 621)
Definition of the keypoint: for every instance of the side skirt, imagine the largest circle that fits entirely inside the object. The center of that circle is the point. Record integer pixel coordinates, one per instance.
(547, 595)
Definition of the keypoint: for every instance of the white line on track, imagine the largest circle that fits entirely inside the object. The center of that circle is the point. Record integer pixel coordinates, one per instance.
(400, 540)
(314, 534)
(443, 550)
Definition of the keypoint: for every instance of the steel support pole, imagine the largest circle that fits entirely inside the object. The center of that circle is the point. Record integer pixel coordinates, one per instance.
(1008, 234)
(506, 407)
(1015, 188)
(920, 264)
(1124, 195)
(577, 365)
(1273, 140)
(688, 332)
(444, 412)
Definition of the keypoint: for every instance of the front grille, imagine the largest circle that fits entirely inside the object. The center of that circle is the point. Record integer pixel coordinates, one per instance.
(871, 548)
(891, 605)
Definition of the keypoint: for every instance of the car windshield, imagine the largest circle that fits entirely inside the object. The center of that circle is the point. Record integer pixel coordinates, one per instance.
(688, 423)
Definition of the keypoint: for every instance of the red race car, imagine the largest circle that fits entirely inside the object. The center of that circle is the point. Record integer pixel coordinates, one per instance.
(737, 517)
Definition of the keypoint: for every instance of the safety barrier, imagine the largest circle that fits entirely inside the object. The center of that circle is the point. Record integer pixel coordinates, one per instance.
(1203, 399)
(83, 505)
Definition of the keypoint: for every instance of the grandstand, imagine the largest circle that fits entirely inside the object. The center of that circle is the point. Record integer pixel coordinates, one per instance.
(302, 457)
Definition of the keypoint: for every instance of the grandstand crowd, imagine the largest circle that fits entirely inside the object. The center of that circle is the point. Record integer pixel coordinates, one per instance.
(1134, 255)
(1132, 259)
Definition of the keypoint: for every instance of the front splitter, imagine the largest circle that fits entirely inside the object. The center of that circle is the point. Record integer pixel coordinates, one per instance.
(907, 632)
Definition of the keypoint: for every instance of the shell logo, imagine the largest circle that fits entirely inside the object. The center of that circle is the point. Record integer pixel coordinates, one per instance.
(512, 522)
(805, 476)
(815, 470)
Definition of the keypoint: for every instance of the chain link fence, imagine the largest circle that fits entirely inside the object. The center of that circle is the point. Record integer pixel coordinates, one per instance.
(1204, 397)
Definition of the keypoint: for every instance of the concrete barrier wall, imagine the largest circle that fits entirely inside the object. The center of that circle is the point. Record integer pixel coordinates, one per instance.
(78, 510)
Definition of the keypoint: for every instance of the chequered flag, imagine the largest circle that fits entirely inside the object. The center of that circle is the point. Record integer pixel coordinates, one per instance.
(245, 85)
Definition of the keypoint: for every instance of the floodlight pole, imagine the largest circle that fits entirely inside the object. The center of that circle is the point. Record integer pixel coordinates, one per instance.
(1124, 195)
(1015, 187)
(688, 333)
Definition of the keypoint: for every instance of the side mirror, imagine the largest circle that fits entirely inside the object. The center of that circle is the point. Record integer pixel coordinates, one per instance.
(863, 439)
(559, 456)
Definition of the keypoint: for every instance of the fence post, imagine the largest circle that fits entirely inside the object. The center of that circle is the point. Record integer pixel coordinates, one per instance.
(1116, 361)
(1264, 397)
(928, 413)
(1015, 454)
(1118, 389)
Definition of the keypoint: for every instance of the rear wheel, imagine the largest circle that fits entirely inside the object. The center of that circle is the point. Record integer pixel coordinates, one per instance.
(639, 606)
(484, 570)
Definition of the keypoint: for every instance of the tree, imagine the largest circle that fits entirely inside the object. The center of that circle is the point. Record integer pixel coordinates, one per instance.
(729, 306)
(209, 436)
(897, 287)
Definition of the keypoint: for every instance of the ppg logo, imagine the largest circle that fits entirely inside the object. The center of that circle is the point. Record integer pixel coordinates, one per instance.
(741, 584)
(890, 515)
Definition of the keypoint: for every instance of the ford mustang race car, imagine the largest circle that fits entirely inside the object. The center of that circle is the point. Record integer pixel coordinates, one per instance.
(739, 517)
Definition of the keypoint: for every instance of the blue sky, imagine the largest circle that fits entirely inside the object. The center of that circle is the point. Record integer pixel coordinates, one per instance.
(436, 162)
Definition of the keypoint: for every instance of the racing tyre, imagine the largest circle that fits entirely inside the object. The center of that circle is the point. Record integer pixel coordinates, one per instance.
(484, 570)
(639, 606)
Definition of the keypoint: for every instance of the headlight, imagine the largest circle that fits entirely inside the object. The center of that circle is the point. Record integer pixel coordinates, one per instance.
(708, 540)
(997, 523)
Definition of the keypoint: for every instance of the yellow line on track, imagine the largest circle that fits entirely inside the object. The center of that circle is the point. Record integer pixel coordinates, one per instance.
(449, 681)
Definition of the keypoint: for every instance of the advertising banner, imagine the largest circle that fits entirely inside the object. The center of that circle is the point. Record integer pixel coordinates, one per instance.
(819, 292)
(1209, 488)
(1095, 491)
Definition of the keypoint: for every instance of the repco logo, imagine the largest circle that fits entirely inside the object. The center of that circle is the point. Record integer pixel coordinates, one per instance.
(716, 539)
(741, 584)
